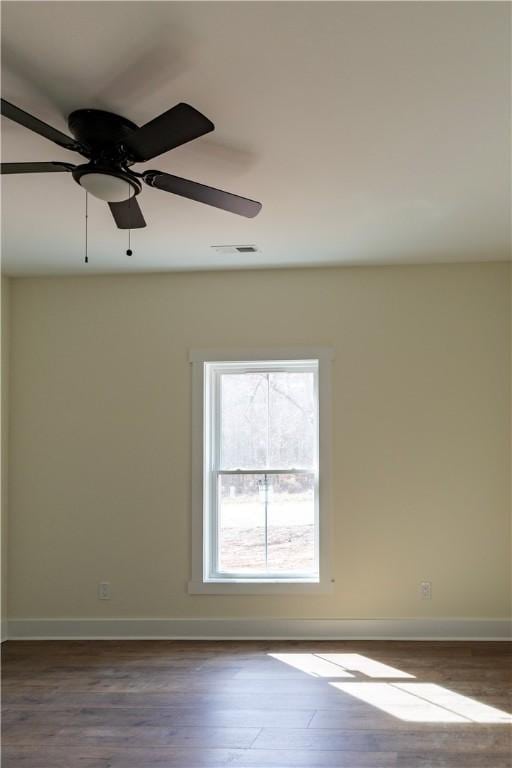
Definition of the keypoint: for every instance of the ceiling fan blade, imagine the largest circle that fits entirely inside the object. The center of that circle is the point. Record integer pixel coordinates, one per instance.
(178, 125)
(34, 167)
(36, 125)
(202, 194)
(127, 214)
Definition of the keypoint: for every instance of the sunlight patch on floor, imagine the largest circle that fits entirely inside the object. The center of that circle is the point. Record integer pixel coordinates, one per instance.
(311, 664)
(463, 705)
(355, 662)
(398, 703)
(412, 702)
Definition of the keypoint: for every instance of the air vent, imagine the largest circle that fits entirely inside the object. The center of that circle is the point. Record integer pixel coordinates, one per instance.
(225, 249)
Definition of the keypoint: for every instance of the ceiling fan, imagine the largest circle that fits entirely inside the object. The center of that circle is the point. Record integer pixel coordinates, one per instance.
(112, 144)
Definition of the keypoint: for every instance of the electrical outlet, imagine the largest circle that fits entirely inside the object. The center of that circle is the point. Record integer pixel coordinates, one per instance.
(426, 590)
(104, 590)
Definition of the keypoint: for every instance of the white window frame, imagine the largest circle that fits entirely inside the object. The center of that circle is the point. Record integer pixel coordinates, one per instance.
(203, 581)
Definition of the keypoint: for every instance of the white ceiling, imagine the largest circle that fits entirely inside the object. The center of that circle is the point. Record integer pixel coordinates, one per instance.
(371, 132)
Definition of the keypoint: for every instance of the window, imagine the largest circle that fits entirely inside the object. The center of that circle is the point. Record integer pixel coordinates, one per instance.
(258, 476)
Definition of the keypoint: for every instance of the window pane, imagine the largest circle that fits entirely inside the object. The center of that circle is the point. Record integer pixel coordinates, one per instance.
(291, 523)
(266, 523)
(244, 410)
(241, 524)
(268, 420)
(292, 420)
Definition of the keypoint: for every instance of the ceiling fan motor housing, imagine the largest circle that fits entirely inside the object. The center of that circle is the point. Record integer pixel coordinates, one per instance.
(101, 134)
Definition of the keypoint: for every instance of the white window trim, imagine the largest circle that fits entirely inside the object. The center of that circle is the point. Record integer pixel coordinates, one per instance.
(198, 584)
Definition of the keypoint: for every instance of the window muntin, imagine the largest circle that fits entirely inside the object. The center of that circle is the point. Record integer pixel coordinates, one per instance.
(261, 471)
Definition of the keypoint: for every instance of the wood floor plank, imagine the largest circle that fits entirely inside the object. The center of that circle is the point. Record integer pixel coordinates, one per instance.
(141, 735)
(415, 739)
(460, 760)
(12, 696)
(371, 719)
(28, 757)
(157, 717)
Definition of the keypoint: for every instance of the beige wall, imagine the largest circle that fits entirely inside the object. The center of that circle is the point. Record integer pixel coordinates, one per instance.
(100, 436)
(4, 417)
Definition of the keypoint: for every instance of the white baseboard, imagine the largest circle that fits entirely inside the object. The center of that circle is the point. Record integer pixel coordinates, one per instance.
(260, 629)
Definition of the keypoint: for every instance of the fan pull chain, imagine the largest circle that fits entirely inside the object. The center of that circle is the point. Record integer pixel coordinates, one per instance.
(86, 259)
(129, 251)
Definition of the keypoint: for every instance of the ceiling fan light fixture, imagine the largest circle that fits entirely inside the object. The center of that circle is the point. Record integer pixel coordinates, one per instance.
(106, 186)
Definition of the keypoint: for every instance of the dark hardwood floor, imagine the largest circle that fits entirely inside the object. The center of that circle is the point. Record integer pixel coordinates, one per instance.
(148, 704)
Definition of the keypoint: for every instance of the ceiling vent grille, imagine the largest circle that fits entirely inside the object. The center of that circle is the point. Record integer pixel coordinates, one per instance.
(227, 249)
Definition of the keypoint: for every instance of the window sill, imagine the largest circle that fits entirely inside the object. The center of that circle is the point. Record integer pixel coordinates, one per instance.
(240, 587)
